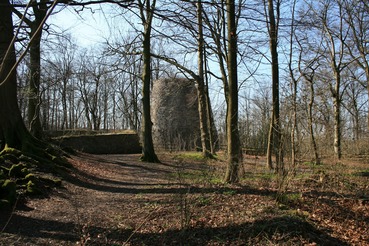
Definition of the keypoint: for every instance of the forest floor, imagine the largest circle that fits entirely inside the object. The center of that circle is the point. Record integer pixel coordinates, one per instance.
(118, 200)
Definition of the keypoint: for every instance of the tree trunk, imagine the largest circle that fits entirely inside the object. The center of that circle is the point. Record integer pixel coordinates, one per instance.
(34, 100)
(294, 123)
(293, 89)
(336, 107)
(13, 132)
(337, 122)
(367, 88)
(201, 96)
(12, 129)
(148, 152)
(270, 144)
(233, 141)
(310, 122)
(213, 136)
(275, 123)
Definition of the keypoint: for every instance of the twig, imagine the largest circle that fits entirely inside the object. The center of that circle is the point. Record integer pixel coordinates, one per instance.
(7, 53)
(28, 46)
(139, 227)
(11, 216)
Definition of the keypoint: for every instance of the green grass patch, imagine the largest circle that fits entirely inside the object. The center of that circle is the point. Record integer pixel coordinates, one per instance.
(194, 176)
(289, 199)
(195, 156)
(229, 192)
(362, 173)
(215, 180)
(203, 201)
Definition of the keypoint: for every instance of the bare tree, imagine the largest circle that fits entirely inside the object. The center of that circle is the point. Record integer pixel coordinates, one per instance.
(355, 102)
(39, 13)
(13, 132)
(274, 138)
(126, 64)
(61, 61)
(201, 92)
(294, 84)
(147, 9)
(308, 72)
(233, 140)
(335, 34)
(356, 12)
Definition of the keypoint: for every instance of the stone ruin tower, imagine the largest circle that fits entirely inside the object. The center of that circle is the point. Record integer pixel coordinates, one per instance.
(174, 114)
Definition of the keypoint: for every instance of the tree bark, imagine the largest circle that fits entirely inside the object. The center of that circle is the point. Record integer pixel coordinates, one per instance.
(213, 136)
(13, 132)
(310, 122)
(294, 82)
(270, 144)
(34, 101)
(233, 142)
(201, 96)
(148, 152)
(275, 134)
(337, 118)
(12, 129)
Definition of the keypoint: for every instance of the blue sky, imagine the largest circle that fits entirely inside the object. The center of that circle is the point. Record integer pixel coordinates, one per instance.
(88, 27)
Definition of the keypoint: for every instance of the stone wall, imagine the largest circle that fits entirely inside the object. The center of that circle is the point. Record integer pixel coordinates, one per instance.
(102, 144)
(174, 113)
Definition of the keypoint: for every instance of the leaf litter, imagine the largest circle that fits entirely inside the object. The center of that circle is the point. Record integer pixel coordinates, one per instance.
(118, 200)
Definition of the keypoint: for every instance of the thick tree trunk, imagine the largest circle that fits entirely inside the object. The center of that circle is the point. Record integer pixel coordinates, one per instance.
(34, 97)
(12, 129)
(13, 132)
(233, 141)
(148, 152)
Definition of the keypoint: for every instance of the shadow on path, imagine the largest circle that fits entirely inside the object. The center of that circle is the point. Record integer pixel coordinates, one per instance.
(280, 227)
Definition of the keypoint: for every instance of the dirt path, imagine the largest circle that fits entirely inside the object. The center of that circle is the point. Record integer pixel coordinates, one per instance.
(96, 200)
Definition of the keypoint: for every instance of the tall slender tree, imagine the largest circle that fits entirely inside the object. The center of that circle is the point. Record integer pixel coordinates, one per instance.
(308, 73)
(274, 142)
(233, 141)
(147, 13)
(294, 83)
(201, 92)
(335, 33)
